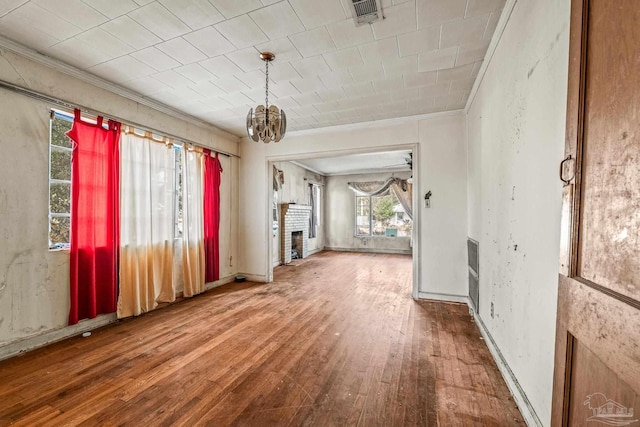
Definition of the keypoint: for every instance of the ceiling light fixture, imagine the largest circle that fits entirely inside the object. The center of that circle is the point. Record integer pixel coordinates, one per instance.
(266, 123)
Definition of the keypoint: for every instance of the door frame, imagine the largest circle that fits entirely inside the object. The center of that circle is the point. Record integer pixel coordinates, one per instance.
(415, 233)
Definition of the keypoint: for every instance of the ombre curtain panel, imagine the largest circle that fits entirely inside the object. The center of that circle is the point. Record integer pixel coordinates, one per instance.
(193, 248)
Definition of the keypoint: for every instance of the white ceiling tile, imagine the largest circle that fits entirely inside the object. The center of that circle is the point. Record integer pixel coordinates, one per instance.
(472, 52)
(194, 72)
(286, 102)
(379, 50)
(336, 78)
(252, 79)
(257, 96)
(37, 18)
(279, 72)
(207, 89)
(327, 107)
(398, 19)
(173, 79)
(482, 7)
(310, 84)
(146, 86)
(283, 89)
(343, 58)
(112, 8)
(236, 99)
(420, 79)
(122, 69)
(99, 39)
(7, 6)
(19, 28)
(314, 13)
(345, 33)
(278, 20)
(325, 117)
(282, 48)
(195, 13)
(437, 59)
(74, 11)
(405, 94)
(405, 65)
(312, 66)
(77, 52)
(233, 8)
(328, 95)
(438, 89)
(157, 19)
(241, 110)
(394, 83)
(380, 98)
(221, 66)
(268, 2)
(447, 101)
(358, 89)
(181, 50)
(306, 110)
(463, 31)
(209, 41)
(491, 25)
(230, 84)
(248, 59)
(241, 31)
(155, 58)
(432, 12)
(458, 73)
(313, 42)
(476, 68)
(462, 85)
(423, 40)
(307, 98)
(143, 2)
(130, 32)
(369, 71)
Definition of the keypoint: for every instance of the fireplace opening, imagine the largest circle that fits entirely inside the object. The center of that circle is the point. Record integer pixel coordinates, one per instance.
(296, 244)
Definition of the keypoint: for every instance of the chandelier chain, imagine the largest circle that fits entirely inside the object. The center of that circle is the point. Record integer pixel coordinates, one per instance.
(266, 90)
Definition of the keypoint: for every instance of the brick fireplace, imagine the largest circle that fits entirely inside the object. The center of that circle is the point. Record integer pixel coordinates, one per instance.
(293, 218)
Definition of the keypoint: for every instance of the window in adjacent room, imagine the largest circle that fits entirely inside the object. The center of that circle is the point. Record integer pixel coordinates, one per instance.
(314, 202)
(381, 216)
(60, 148)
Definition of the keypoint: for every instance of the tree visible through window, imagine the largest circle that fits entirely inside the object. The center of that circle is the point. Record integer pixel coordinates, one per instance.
(381, 216)
(60, 148)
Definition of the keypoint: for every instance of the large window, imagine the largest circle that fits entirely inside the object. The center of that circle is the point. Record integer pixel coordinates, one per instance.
(381, 216)
(59, 180)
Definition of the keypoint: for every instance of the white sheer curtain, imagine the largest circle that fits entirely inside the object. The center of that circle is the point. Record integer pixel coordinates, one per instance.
(193, 222)
(147, 185)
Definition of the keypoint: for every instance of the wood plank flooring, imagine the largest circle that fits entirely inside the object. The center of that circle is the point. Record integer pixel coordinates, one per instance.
(335, 340)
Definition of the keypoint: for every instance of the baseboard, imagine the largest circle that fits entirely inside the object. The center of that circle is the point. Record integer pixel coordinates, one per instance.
(371, 250)
(315, 251)
(260, 278)
(31, 343)
(220, 282)
(443, 297)
(520, 397)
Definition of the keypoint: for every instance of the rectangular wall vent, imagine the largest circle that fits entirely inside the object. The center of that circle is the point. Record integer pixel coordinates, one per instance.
(474, 273)
(366, 11)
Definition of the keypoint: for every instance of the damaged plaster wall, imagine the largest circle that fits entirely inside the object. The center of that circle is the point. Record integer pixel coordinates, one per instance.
(34, 282)
(515, 129)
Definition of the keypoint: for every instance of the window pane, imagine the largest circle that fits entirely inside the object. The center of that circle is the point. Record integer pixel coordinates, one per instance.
(362, 216)
(58, 128)
(383, 212)
(60, 164)
(59, 230)
(60, 198)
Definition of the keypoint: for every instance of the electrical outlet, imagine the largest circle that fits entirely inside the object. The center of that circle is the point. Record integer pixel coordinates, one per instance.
(492, 309)
(230, 261)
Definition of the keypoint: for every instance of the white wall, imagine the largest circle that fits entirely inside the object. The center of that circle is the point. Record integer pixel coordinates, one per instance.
(442, 169)
(34, 282)
(515, 130)
(340, 223)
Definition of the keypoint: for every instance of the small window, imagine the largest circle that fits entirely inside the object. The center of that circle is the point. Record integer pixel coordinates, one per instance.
(60, 148)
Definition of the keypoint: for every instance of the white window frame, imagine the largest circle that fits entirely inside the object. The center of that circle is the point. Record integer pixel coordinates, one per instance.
(64, 116)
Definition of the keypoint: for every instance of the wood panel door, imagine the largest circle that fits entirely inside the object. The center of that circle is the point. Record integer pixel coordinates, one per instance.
(597, 361)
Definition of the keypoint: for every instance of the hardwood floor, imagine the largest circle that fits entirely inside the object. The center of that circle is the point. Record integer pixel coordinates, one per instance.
(335, 340)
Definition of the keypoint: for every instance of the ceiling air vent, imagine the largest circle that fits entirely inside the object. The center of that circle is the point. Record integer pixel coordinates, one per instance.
(366, 11)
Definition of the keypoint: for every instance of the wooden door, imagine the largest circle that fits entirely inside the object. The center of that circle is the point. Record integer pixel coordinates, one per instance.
(597, 361)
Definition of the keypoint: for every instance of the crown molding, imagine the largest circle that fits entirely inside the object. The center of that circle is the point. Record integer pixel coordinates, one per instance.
(94, 80)
(493, 45)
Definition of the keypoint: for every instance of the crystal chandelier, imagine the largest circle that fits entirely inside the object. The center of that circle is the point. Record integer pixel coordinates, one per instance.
(266, 123)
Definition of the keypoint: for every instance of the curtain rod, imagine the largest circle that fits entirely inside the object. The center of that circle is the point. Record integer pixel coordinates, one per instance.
(61, 103)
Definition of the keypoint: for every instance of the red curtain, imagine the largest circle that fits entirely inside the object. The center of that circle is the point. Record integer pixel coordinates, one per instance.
(95, 227)
(212, 171)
